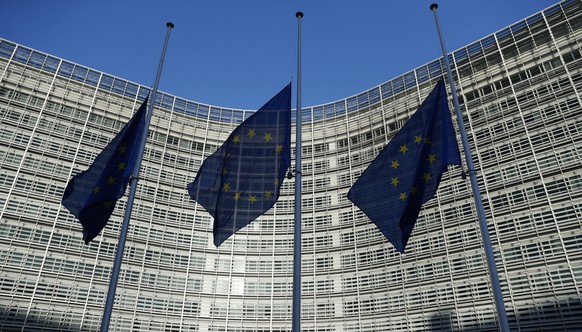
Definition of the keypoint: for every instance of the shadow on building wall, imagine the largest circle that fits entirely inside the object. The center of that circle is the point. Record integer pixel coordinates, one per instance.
(13, 320)
(543, 316)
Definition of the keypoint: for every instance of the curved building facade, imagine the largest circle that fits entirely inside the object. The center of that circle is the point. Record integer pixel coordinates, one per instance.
(520, 91)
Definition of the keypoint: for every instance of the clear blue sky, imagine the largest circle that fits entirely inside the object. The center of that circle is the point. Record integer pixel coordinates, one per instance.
(240, 53)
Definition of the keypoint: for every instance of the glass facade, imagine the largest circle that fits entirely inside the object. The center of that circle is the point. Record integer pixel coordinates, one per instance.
(520, 92)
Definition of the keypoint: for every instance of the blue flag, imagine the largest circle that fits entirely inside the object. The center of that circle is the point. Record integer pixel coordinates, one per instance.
(91, 195)
(241, 180)
(407, 172)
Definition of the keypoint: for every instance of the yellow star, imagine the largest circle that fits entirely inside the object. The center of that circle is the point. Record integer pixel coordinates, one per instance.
(395, 164)
(97, 190)
(403, 148)
(111, 180)
(267, 137)
(427, 141)
(413, 190)
(276, 182)
(107, 204)
(268, 194)
(236, 196)
(251, 133)
(418, 139)
(226, 186)
(402, 196)
(236, 139)
(426, 177)
(395, 182)
(121, 166)
(431, 158)
(252, 199)
(224, 171)
(121, 149)
(279, 148)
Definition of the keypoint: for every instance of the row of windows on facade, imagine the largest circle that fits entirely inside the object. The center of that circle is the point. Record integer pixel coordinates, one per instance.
(104, 122)
(498, 85)
(54, 115)
(48, 166)
(506, 86)
(50, 189)
(548, 140)
(443, 294)
(53, 168)
(552, 93)
(548, 250)
(481, 319)
(552, 160)
(523, 146)
(486, 61)
(76, 73)
(109, 83)
(545, 248)
(564, 310)
(342, 161)
(17, 138)
(522, 195)
(562, 188)
(560, 160)
(508, 126)
(562, 215)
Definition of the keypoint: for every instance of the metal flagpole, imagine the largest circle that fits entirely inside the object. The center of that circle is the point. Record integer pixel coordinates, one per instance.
(133, 181)
(296, 326)
(501, 313)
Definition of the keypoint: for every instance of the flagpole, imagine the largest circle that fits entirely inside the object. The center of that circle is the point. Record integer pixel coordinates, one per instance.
(133, 185)
(501, 313)
(296, 326)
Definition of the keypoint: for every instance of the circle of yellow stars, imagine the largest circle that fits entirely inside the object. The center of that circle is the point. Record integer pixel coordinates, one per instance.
(236, 139)
(395, 165)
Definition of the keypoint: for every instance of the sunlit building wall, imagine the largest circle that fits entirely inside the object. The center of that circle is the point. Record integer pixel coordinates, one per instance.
(520, 90)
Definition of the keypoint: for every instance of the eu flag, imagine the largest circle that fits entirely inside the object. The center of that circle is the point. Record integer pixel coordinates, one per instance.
(91, 195)
(241, 180)
(407, 172)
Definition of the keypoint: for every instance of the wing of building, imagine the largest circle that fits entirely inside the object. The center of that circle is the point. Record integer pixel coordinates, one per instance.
(520, 90)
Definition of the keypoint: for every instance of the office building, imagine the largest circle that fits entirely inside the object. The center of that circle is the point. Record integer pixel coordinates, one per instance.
(520, 92)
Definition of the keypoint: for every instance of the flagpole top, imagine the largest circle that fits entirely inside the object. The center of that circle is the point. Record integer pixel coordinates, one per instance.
(299, 14)
(170, 25)
(434, 6)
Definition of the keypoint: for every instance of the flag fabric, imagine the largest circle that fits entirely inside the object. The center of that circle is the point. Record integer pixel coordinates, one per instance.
(91, 195)
(407, 172)
(241, 180)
